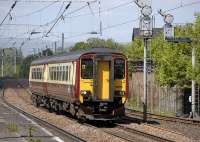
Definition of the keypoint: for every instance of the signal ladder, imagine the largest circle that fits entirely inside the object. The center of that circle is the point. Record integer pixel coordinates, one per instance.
(197, 98)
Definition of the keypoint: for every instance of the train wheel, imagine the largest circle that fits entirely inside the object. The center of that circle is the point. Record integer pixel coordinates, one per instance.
(72, 110)
(57, 109)
(50, 108)
(35, 102)
(81, 117)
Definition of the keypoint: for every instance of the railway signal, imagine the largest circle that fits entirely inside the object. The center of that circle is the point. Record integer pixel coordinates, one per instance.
(169, 36)
(168, 27)
(146, 32)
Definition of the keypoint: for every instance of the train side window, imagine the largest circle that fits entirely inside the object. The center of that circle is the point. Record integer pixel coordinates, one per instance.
(69, 73)
(57, 68)
(86, 68)
(32, 73)
(66, 73)
(36, 73)
(60, 73)
(39, 73)
(119, 69)
(42, 73)
(54, 73)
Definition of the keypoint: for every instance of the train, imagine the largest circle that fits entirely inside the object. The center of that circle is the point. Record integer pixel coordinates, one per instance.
(90, 84)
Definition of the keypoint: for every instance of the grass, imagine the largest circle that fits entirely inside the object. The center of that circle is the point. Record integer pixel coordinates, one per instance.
(12, 127)
(30, 134)
(33, 140)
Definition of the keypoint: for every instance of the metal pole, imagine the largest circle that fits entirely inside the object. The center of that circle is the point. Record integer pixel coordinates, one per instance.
(100, 22)
(15, 61)
(2, 63)
(34, 52)
(46, 51)
(55, 47)
(145, 81)
(39, 52)
(193, 84)
(63, 37)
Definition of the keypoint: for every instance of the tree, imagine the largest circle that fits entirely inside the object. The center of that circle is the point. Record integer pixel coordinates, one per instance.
(96, 42)
(172, 61)
(9, 61)
(47, 52)
(25, 66)
(79, 46)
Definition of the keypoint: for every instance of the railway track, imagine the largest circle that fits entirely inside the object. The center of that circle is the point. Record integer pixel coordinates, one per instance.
(133, 113)
(129, 134)
(124, 133)
(144, 134)
(44, 123)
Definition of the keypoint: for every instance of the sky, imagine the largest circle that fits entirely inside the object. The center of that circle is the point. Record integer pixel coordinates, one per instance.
(118, 17)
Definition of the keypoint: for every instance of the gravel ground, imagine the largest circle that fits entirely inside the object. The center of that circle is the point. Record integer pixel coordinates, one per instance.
(174, 132)
(88, 133)
(172, 135)
(190, 131)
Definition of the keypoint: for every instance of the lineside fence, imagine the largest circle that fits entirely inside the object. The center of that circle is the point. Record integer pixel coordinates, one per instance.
(161, 100)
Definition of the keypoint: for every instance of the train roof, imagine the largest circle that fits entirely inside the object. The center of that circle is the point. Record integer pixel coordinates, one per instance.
(74, 55)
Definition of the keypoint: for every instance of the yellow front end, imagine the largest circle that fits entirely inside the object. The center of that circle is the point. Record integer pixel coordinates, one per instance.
(86, 85)
(120, 86)
(109, 95)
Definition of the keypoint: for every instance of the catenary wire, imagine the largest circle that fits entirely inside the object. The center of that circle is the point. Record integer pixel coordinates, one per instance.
(37, 11)
(130, 21)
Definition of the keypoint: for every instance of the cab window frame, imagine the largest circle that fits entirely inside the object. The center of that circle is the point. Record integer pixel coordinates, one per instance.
(118, 76)
(88, 74)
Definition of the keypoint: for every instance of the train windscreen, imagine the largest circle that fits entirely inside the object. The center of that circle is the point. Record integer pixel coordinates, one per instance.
(86, 68)
(119, 69)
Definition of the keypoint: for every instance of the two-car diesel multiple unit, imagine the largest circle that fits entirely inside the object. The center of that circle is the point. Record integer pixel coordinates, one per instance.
(92, 84)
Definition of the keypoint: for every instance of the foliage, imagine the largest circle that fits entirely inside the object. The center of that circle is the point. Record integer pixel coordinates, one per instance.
(47, 52)
(8, 61)
(95, 42)
(173, 65)
(134, 51)
(12, 127)
(172, 62)
(25, 66)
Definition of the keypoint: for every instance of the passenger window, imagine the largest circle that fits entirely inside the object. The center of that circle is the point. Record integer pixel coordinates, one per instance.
(66, 73)
(119, 69)
(86, 68)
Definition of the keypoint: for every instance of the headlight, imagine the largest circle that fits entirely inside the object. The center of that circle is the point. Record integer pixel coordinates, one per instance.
(85, 93)
(119, 93)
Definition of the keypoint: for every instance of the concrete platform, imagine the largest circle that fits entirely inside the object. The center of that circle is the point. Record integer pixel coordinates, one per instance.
(15, 127)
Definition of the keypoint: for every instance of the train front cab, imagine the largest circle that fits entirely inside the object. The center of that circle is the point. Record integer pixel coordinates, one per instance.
(103, 86)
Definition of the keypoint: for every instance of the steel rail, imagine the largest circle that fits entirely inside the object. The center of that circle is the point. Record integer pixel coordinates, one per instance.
(132, 112)
(126, 129)
(144, 134)
(43, 122)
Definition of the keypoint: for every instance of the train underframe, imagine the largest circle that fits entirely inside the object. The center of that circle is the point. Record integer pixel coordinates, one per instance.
(89, 110)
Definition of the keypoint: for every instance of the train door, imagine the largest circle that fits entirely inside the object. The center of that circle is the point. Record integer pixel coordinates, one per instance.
(103, 79)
